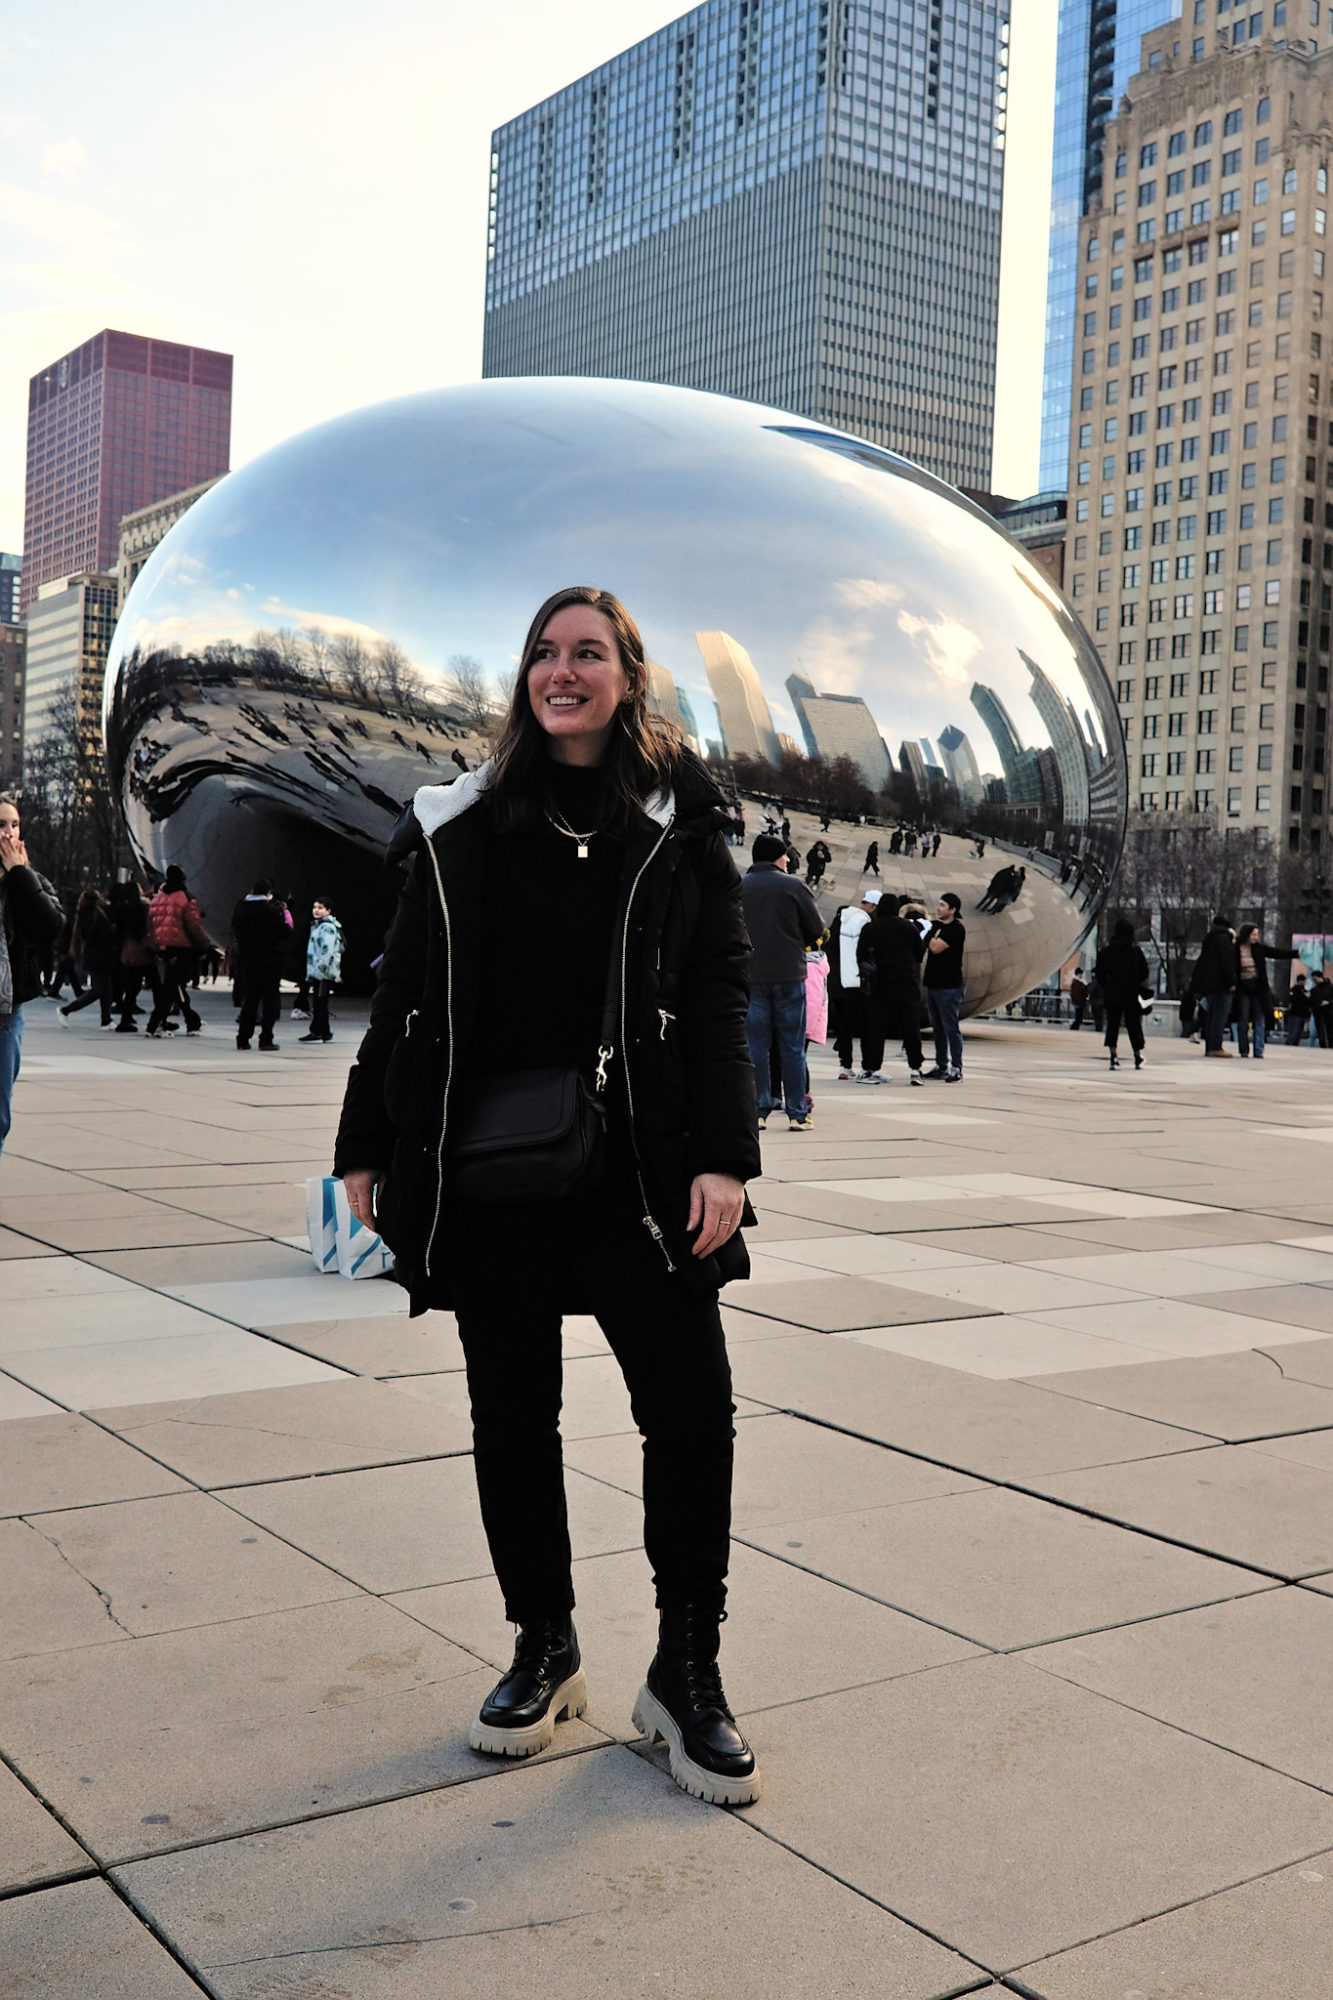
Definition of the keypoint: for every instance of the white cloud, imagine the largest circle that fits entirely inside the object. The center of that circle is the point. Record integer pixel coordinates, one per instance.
(949, 646)
(64, 156)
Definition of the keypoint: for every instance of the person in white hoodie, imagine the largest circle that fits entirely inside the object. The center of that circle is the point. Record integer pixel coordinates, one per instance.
(844, 984)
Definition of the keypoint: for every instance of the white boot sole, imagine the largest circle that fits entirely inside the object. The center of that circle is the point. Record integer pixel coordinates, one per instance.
(569, 1701)
(653, 1723)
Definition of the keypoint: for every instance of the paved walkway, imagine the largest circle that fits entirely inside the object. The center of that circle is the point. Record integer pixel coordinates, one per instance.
(1033, 1583)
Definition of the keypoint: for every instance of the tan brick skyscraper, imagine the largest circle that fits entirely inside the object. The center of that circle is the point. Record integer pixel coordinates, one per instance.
(1201, 468)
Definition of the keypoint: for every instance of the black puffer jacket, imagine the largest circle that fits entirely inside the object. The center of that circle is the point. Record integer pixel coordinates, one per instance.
(33, 916)
(681, 1060)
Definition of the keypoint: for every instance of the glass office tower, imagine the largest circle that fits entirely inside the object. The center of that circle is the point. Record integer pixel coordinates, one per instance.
(1097, 51)
(796, 201)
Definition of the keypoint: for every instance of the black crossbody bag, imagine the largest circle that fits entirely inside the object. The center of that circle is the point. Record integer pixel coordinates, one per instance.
(534, 1134)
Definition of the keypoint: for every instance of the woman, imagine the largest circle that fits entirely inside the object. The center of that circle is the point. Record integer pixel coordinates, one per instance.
(128, 911)
(323, 968)
(572, 906)
(30, 918)
(176, 933)
(1122, 972)
(1254, 1001)
(94, 945)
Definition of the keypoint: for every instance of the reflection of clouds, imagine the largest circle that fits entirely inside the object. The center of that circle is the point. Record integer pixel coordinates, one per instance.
(863, 592)
(949, 648)
(322, 621)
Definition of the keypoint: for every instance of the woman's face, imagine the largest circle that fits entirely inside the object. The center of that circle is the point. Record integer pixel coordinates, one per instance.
(9, 822)
(576, 683)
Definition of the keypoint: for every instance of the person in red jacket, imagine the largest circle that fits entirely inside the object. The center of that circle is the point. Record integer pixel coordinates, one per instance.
(176, 932)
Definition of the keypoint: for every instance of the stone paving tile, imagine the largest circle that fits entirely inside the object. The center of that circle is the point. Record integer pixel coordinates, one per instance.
(990, 1803)
(1018, 1288)
(775, 1645)
(1248, 1675)
(404, 1525)
(1002, 1346)
(88, 1319)
(203, 1734)
(1222, 1947)
(54, 1276)
(1234, 1501)
(12, 1245)
(212, 1363)
(996, 1430)
(45, 1605)
(1289, 1305)
(34, 1847)
(136, 1232)
(834, 1303)
(383, 1345)
(591, 1868)
(1303, 1361)
(78, 1938)
(286, 1301)
(17, 1401)
(1156, 1273)
(264, 1434)
(185, 1560)
(1001, 1568)
(1175, 1326)
(204, 1263)
(61, 1460)
(879, 1256)
(1018, 1245)
(1226, 1396)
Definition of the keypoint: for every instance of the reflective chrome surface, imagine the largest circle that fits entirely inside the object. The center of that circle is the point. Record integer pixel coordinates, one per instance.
(285, 672)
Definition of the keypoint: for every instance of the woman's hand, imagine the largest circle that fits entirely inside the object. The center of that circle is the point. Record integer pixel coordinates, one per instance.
(13, 854)
(361, 1184)
(717, 1201)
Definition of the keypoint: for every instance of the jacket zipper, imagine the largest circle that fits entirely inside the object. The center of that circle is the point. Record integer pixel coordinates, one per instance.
(665, 1015)
(449, 1065)
(650, 1221)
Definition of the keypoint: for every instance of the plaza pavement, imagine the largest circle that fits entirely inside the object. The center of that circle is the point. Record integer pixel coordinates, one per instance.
(1033, 1582)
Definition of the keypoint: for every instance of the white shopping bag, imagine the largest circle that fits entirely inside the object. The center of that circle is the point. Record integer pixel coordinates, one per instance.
(361, 1253)
(321, 1222)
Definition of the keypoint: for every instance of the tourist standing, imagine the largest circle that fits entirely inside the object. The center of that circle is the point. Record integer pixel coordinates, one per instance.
(594, 820)
(1213, 982)
(177, 933)
(945, 991)
(782, 918)
(30, 917)
(1078, 996)
(259, 926)
(870, 866)
(846, 998)
(1298, 1011)
(890, 950)
(323, 968)
(1254, 993)
(1123, 972)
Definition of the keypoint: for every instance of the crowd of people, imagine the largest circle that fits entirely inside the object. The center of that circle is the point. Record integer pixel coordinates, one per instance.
(119, 950)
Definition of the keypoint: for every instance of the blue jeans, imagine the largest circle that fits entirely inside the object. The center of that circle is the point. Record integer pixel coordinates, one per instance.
(777, 1019)
(1250, 1007)
(11, 1045)
(944, 1003)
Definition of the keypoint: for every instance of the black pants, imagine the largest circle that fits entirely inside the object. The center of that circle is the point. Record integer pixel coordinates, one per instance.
(890, 1019)
(1131, 1014)
(262, 998)
(98, 989)
(172, 993)
(517, 1270)
(848, 1025)
(320, 989)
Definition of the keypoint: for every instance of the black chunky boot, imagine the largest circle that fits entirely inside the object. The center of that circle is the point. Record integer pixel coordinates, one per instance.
(544, 1686)
(682, 1703)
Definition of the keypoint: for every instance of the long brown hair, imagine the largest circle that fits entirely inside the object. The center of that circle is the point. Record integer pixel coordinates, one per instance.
(644, 750)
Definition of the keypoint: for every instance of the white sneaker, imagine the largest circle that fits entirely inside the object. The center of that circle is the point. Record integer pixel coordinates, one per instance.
(917, 1077)
(869, 1076)
(844, 1076)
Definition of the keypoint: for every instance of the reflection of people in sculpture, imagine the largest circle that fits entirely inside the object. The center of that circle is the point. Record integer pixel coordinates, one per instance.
(579, 1145)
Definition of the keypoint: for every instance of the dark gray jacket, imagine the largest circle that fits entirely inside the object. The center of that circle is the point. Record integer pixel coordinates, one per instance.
(782, 918)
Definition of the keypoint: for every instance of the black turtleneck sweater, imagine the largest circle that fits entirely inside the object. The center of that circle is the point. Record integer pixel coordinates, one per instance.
(549, 918)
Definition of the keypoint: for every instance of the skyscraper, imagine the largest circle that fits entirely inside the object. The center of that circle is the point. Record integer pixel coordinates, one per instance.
(742, 710)
(840, 725)
(11, 569)
(795, 201)
(1097, 51)
(119, 423)
(961, 764)
(1201, 469)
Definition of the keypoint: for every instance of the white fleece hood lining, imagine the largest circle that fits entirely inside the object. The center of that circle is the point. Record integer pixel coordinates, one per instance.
(435, 805)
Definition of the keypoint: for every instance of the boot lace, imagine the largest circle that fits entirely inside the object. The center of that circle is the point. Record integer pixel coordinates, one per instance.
(537, 1644)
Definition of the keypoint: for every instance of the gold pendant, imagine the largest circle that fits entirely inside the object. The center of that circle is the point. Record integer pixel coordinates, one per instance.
(583, 850)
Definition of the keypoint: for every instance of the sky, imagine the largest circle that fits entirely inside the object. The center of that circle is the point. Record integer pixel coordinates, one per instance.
(303, 184)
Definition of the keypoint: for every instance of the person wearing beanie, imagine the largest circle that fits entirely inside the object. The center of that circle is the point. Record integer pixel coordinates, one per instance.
(782, 918)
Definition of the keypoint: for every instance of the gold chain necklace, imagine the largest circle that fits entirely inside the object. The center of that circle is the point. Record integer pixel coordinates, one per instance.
(562, 826)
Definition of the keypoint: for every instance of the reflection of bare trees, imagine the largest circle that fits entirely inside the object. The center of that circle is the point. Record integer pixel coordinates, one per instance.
(70, 821)
(469, 694)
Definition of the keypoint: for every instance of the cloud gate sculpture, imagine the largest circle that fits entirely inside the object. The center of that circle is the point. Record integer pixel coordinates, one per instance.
(338, 622)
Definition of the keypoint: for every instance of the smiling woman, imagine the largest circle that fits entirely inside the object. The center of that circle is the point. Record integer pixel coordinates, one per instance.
(553, 1111)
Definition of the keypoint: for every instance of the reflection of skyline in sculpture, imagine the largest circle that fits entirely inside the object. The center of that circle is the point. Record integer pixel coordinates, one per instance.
(961, 764)
(1062, 726)
(840, 725)
(742, 710)
(286, 671)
